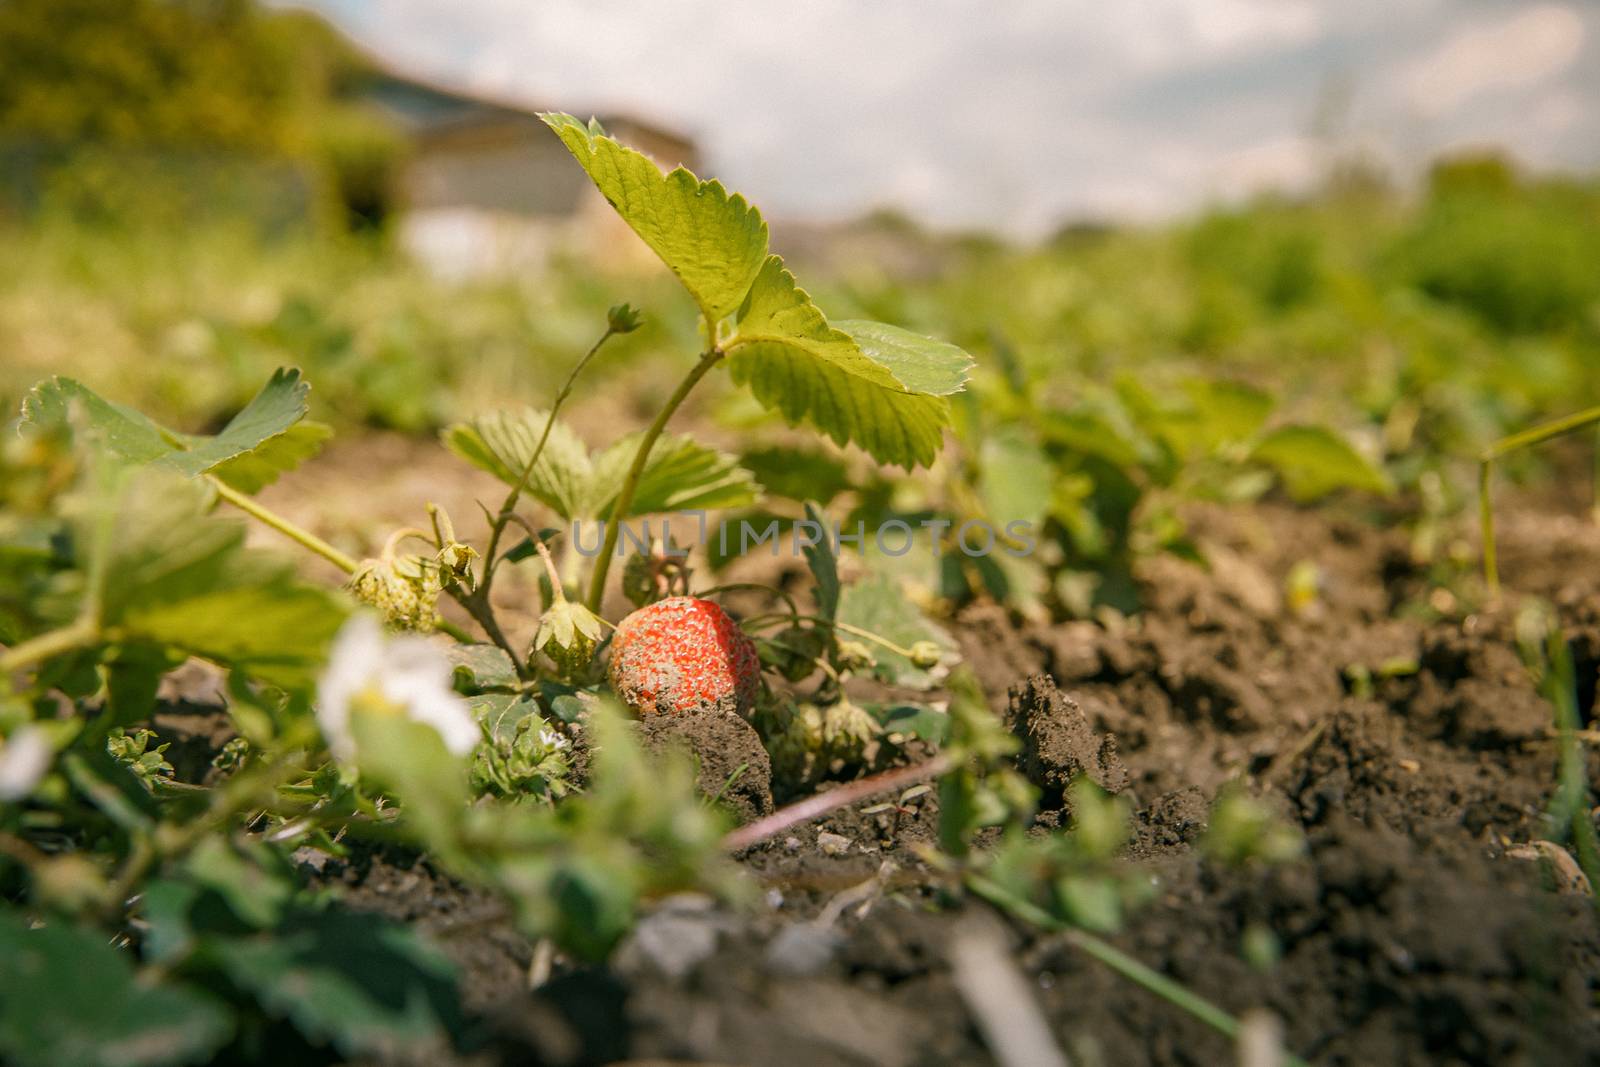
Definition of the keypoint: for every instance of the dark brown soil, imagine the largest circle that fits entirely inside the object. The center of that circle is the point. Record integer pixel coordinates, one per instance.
(1413, 752)
(729, 761)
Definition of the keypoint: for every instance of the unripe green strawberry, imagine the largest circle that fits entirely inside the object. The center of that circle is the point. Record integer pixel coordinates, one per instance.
(639, 580)
(404, 597)
(654, 574)
(684, 655)
(568, 634)
(855, 656)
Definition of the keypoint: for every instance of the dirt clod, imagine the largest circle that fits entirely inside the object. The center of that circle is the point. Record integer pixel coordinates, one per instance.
(732, 764)
(1058, 742)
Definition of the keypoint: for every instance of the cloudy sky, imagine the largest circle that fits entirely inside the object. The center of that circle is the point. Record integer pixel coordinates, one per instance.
(1017, 114)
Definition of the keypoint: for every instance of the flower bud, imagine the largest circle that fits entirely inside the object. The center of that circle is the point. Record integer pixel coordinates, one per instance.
(455, 563)
(925, 655)
(847, 726)
(623, 318)
(855, 656)
(568, 633)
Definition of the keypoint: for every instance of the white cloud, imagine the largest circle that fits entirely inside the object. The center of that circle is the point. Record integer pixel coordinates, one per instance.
(1523, 49)
(1020, 113)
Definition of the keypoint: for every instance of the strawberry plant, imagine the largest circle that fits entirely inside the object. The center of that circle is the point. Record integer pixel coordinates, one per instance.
(355, 725)
(158, 913)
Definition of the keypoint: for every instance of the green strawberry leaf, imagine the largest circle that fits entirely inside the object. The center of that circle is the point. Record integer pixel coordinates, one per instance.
(120, 431)
(680, 474)
(876, 603)
(364, 984)
(1314, 461)
(824, 567)
(481, 666)
(69, 999)
(919, 363)
(713, 242)
(878, 387)
(797, 473)
(255, 470)
(501, 712)
(137, 440)
(1018, 479)
(174, 576)
(503, 441)
(911, 720)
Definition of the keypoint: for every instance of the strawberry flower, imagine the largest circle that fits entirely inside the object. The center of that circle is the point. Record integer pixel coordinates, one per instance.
(24, 758)
(406, 675)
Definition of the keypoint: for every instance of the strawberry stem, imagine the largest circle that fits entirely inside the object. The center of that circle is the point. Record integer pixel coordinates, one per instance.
(822, 803)
(641, 456)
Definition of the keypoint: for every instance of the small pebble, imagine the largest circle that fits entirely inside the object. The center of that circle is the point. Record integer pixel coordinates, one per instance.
(832, 844)
(801, 949)
(675, 938)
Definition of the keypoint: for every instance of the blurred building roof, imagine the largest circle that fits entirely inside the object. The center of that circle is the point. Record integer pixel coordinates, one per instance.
(425, 110)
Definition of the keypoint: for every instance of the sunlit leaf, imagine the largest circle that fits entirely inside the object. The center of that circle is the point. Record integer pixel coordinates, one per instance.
(174, 576)
(713, 242)
(1313, 461)
(681, 474)
(260, 467)
(135, 439)
(502, 442)
(884, 392)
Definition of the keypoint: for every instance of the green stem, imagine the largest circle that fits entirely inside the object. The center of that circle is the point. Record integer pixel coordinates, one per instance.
(1506, 445)
(1491, 565)
(451, 629)
(497, 529)
(304, 537)
(316, 544)
(624, 500)
(78, 635)
(1569, 807)
(853, 631)
(1177, 995)
(794, 608)
(477, 602)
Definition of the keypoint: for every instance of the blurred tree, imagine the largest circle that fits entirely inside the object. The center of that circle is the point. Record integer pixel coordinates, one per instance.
(187, 76)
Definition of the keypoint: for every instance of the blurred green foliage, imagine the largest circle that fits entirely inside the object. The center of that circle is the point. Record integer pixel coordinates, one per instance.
(179, 180)
(192, 97)
(1428, 322)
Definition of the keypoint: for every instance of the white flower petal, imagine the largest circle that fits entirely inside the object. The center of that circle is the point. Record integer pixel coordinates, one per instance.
(409, 672)
(24, 760)
(353, 665)
(448, 714)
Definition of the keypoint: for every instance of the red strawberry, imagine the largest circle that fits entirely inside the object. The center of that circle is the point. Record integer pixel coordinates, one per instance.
(683, 655)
